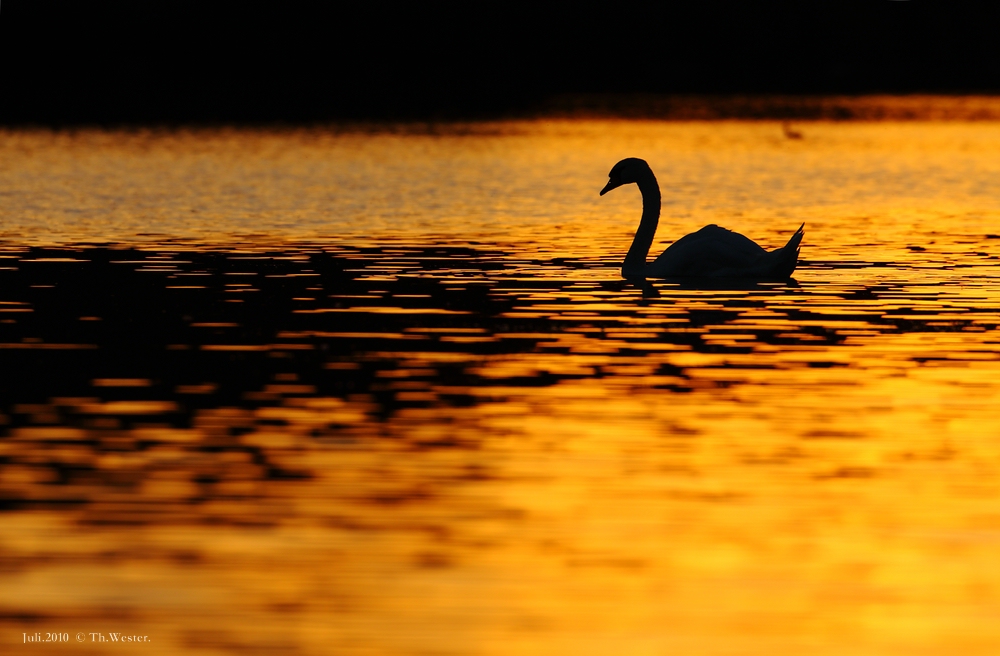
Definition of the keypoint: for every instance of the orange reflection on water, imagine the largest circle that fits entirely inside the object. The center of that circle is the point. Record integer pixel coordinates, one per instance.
(469, 443)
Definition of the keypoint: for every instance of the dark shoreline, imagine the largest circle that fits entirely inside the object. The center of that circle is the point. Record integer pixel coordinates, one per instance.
(664, 107)
(876, 107)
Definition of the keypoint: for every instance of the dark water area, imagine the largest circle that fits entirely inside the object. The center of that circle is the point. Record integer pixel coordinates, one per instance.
(120, 338)
(124, 348)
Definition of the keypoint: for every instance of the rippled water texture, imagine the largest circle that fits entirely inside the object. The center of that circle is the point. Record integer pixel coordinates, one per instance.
(384, 392)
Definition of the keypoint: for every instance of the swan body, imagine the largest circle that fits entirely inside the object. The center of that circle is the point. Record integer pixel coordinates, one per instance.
(711, 252)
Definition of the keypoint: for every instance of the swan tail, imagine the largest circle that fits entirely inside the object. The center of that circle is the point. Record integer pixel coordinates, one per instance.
(787, 257)
(795, 240)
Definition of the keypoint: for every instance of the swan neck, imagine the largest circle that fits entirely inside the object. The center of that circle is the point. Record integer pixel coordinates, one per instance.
(635, 260)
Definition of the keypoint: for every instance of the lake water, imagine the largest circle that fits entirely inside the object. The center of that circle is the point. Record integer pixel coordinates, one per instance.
(381, 390)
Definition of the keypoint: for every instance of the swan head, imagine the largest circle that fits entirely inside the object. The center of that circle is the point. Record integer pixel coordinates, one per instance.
(627, 171)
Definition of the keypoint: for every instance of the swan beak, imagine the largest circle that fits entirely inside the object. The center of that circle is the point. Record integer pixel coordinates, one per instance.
(608, 187)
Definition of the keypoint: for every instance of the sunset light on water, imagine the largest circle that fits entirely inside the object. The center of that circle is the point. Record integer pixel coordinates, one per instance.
(383, 390)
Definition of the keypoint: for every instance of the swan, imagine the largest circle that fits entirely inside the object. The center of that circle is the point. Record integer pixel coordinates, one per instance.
(712, 252)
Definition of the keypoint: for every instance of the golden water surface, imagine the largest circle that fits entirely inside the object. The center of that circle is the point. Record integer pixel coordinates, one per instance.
(383, 391)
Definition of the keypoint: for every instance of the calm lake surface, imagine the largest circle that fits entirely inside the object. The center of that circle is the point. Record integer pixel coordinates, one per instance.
(383, 391)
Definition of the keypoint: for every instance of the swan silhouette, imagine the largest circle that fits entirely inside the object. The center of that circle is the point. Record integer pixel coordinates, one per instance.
(712, 252)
